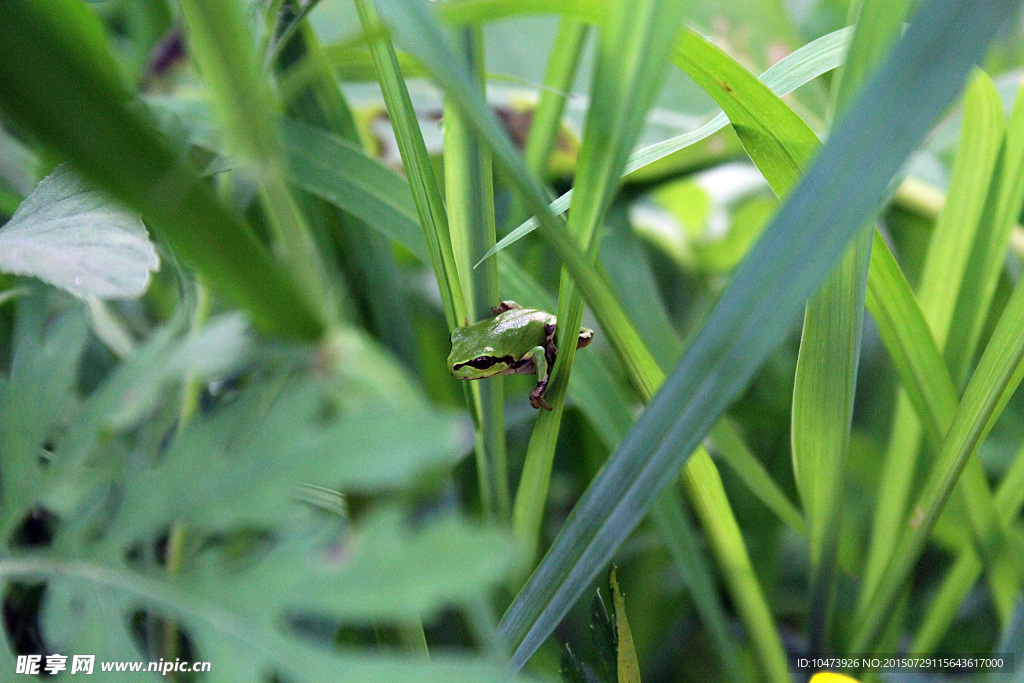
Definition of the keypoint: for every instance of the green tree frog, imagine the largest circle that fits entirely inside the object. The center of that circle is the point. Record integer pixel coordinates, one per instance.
(516, 341)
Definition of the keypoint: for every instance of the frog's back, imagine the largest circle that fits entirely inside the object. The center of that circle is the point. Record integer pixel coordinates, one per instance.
(519, 319)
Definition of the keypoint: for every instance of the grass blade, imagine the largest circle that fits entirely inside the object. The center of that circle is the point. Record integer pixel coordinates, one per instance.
(826, 382)
(470, 202)
(221, 44)
(425, 190)
(968, 567)
(370, 273)
(840, 191)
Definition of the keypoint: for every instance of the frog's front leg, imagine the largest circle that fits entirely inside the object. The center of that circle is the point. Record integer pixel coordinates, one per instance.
(538, 358)
(543, 360)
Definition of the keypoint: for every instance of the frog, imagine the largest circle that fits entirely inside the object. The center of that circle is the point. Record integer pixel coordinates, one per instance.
(515, 341)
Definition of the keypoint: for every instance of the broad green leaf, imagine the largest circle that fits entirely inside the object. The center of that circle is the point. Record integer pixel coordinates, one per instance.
(211, 353)
(249, 473)
(36, 399)
(74, 238)
(838, 194)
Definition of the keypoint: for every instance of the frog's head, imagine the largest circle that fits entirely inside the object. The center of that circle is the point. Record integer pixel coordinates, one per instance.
(473, 358)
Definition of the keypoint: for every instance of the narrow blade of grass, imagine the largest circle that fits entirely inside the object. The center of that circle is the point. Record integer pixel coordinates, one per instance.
(425, 190)
(781, 144)
(370, 272)
(778, 149)
(547, 117)
(221, 44)
(960, 579)
(826, 373)
(470, 194)
(629, 70)
(1002, 212)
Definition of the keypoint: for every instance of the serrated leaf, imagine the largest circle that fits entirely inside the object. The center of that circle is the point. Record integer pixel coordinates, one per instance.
(242, 465)
(74, 238)
(383, 569)
(256, 556)
(35, 400)
(215, 350)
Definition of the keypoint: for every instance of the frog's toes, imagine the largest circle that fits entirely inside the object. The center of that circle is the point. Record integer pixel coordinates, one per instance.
(537, 396)
(504, 306)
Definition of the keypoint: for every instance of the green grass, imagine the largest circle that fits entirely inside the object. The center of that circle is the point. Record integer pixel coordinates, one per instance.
(797, 431)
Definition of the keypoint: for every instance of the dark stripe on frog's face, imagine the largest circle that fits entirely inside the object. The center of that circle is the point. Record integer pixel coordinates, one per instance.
(482, 366)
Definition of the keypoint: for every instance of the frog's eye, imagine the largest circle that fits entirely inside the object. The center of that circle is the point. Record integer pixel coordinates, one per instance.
(482, 362)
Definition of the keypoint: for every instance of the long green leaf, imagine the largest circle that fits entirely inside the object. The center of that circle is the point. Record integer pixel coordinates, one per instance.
(841, 190)
(470, 201)
(826, 373)
(222, 47)
(426, 192)
(968, 567)
(821, 419)
(1004, 203)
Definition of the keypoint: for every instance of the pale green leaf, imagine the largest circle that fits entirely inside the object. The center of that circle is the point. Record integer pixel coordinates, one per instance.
(75, 238)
